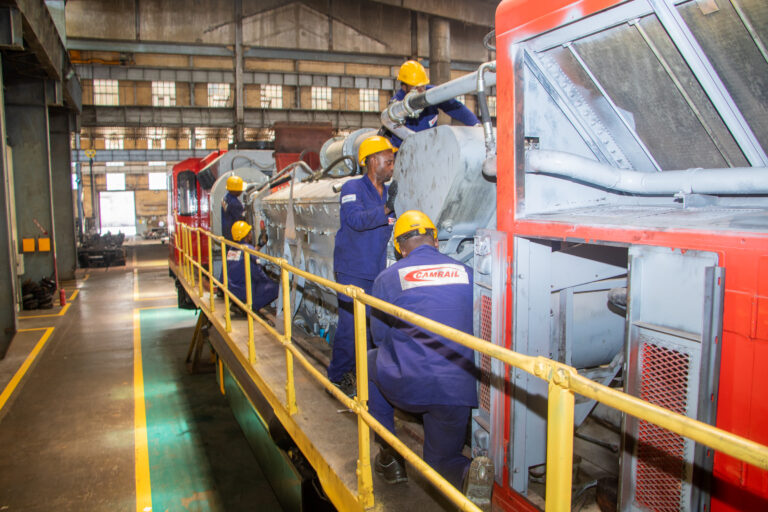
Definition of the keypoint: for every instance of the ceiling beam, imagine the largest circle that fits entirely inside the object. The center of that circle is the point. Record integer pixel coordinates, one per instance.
(475, 12)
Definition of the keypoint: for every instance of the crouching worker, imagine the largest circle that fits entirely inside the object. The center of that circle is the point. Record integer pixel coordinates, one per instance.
(263, 289)
(420, 372)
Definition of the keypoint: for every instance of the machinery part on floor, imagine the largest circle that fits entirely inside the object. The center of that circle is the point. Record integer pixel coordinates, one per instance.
(101, 250)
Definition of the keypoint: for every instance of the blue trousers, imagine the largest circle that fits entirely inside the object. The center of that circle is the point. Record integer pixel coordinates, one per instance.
(445, 427)
(343, 351)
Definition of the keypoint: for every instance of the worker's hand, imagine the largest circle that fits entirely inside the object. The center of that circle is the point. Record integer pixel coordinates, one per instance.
(391, 195)
(263, 239)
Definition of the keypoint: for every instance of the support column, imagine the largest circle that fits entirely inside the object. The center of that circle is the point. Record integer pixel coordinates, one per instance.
(8, 241)
(27, 125)
(440, 55)
(63, 204)
(239, 96)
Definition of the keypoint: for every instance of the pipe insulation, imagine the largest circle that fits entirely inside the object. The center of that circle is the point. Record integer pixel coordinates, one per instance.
(726, 181)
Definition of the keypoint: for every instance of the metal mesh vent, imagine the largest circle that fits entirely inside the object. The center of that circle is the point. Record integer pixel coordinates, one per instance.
(660, 453)
(486, 317)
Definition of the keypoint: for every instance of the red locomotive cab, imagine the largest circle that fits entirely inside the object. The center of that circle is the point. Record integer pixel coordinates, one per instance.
(188, 202)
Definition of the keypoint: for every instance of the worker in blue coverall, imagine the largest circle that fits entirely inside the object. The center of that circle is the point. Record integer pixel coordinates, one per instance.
(418, 371)
(366, 217)
(412, 75)
(232, 210)
(263, 289)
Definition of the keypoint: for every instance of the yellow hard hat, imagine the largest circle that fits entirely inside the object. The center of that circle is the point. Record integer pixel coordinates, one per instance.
(413, 73)
(373, 145)
(413, 221)
(235, 184)
(240, 230)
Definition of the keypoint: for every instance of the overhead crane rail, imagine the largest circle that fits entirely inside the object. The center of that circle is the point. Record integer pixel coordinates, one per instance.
(563, 380)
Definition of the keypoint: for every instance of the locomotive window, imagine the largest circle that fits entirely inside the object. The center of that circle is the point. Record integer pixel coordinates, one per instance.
(186, 192)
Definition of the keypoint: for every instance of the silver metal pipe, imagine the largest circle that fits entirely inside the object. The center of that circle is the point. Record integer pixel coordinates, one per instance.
(729, 181)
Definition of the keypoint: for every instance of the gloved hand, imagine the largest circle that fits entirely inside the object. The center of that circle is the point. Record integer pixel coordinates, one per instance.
(391, 195)
(262, 239)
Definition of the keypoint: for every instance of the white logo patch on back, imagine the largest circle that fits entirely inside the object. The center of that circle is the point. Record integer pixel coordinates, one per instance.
(234, 255)
(348, 198)
(432, 275)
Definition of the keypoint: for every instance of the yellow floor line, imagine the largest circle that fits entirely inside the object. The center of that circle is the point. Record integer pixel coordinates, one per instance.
(9, 389)
(143, 484)
(74, 294)
(60, 313)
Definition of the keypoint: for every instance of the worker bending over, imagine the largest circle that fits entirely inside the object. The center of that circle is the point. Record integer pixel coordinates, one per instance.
(421, 372)
(412, 76)
(263, 289)
(366, 217)
(232, 210)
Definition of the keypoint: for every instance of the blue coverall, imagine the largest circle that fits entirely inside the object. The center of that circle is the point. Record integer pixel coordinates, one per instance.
(428, 117)
(263, 289)
(232, 210)
(418, 371)
(358, 257)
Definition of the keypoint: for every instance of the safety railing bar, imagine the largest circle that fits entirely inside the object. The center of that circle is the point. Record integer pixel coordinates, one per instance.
(237, 301)
(351, 404)
(716, 438)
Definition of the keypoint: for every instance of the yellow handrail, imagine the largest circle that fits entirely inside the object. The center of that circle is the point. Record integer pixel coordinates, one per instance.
(564, 381)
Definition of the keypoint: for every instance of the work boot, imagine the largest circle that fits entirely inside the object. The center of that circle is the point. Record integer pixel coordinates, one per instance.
(390, 465)
(478, 483)
(348, 384)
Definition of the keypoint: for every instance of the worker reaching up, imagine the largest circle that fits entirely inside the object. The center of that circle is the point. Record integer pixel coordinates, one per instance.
(423, 373)
(366, 217)
(412, 76)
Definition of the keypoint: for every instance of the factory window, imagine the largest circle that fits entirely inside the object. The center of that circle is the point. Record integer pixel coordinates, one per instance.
(271, 96)
(156, 143)
(491, 105)
(114, 143)
(164, 94)
(462, 99)
(105, 92)
(321, 98)
(158, 163)
(115, 181)
(369, 100)
(157, 181)
(218, 95)
(74, 181)
(186, 192)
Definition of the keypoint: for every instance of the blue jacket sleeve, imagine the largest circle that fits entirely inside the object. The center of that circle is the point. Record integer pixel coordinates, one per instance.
(459, 112)
(355, 214)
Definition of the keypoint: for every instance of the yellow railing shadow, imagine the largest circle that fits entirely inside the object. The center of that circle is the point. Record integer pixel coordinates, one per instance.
(564, 381)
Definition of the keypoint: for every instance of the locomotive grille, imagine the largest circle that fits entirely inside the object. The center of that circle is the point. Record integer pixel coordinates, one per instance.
(660, 453)
(486, 317)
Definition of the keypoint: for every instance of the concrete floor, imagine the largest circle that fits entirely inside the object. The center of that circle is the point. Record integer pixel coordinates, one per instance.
(67, 428)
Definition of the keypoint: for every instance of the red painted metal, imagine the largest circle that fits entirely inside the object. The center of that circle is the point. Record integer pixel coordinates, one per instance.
(742, 407)
(202, 217)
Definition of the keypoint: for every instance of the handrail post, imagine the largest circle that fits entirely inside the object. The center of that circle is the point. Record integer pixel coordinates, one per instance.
(190, 268)
(225, 282)
(364, 476)
(210, 272)
(200, 265)
(186, 254)
(560, 407)
(290, 387)
(249, 303)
